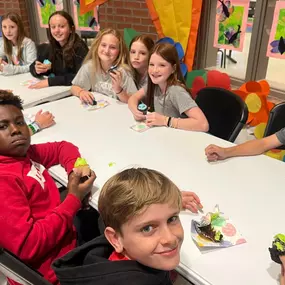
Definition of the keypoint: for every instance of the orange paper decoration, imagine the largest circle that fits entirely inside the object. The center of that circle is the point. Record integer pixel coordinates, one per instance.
(255, 96)
(192, 39)
(89, 5)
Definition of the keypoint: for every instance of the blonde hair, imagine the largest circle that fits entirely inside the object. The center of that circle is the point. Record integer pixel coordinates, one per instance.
(125, 194)
(122, 59)
(8, 46)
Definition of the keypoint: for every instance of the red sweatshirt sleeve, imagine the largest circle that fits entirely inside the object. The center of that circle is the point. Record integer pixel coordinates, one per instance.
(49, 154)
(23, 236)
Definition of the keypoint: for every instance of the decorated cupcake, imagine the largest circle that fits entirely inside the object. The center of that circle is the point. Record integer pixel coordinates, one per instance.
(278, 248)
(206, 227)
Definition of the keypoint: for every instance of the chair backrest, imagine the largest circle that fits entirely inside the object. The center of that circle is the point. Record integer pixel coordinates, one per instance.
(13, 268)
(225, 112)
(276, 121)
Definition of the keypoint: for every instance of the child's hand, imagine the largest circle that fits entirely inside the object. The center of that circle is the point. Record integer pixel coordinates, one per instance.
(155, 119)
(2, 63)
(42, 84)
(41, 67)
(191, 201)
(86, 97)
(77, 188)
(214, 153)
(116, 80)
(45, 119)
(138, 115)
(85, 170)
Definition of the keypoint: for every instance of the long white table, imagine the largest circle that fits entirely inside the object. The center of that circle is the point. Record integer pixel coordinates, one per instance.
(32, 97)
(250, 190)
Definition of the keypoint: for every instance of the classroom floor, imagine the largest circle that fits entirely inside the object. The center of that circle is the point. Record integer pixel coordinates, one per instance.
(275, 67)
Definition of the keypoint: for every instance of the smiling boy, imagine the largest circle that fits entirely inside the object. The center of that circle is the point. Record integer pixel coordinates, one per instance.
(143, 235)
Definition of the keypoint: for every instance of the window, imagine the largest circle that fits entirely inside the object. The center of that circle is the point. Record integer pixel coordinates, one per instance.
(250, 64)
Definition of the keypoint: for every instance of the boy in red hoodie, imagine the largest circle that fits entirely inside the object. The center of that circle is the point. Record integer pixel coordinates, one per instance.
(35, 225)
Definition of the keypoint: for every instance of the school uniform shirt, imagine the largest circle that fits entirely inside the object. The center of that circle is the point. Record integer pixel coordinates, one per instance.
(174, 103)
(19, 65)
(35, 225)
(89, 264)
(100, 82)
(60, 75)
(281, 136)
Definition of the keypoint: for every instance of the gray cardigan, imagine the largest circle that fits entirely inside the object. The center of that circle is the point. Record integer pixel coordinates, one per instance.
(29, 55)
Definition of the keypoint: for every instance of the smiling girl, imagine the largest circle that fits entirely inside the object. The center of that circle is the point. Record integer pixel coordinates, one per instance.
(105, 70)
(62, 57)
(168, 99)
(17, 51)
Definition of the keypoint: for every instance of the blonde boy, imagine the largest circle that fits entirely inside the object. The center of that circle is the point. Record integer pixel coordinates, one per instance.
(143, 235)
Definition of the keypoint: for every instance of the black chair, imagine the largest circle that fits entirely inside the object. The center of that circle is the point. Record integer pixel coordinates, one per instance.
(12, 267)
(225, 111)
(85, 35)
(276, 121)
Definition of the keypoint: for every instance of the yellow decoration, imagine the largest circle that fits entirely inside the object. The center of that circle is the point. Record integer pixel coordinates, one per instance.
(259, 130)
(253, 102)
(175, 17)
(277, 154)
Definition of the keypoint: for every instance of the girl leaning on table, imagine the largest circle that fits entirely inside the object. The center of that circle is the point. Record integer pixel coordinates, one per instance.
(105, 70)
(17, 51)
(62, 57)
(167, 98)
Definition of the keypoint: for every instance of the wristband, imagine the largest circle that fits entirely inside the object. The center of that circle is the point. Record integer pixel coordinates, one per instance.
(34, 127)
(168, 122)
(120, 91)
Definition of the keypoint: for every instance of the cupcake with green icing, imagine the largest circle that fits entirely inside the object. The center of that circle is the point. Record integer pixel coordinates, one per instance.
(278, 248)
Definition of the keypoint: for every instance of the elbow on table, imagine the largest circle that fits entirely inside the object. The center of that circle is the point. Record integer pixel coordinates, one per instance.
(205, 125)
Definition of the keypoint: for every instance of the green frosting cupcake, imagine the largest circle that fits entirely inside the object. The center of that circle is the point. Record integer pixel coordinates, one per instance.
(278, 248)
(80, 162)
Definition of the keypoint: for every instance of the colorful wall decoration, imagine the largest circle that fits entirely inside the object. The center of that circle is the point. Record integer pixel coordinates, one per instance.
(255, 94)
(45, 8)
(89, 5)
(231, 23)
(87, 21)
(179, 20)
(276, 45)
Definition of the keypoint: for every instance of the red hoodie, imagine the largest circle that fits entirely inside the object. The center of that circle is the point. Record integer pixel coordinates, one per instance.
(35, 226)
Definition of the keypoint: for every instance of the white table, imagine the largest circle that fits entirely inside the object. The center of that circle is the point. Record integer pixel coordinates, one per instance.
(250, 190)
(32, 97)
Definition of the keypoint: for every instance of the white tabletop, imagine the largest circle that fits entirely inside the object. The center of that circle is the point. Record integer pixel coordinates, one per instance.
(32, 97)
(249, 190)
